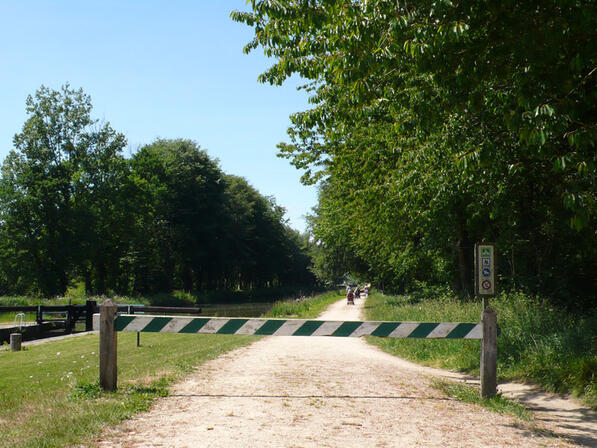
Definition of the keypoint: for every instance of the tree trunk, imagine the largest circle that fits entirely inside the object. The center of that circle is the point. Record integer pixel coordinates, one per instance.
(100, 281)
(463, 257)
(187, 279)
(88, 284)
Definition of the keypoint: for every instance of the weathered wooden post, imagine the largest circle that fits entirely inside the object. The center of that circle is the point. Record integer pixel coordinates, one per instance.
(15, 342)
(489, 354)
(108, 347)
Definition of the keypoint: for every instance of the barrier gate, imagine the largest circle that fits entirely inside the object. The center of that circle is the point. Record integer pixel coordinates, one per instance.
(109, 323)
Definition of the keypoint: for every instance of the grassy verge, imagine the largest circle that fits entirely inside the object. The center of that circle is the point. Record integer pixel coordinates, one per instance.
(470, 394)
(49, 396)
(49, 393)
(305, 309)
(214, 303)
(538, 343)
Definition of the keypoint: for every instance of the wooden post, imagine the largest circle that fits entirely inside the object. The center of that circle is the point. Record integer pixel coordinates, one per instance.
(90, 307)
(15, 342)
(70, 322)
(489, 354)
(108, 374)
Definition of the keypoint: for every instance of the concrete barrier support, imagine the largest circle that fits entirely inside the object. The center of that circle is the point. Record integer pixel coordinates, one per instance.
(15, 342)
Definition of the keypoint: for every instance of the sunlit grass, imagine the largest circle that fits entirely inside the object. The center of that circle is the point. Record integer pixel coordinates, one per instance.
(538, 343)
(470, 394)
(307, 308)
(49, 394)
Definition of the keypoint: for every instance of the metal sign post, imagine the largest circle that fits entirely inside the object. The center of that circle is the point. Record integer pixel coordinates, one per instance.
(484, 271)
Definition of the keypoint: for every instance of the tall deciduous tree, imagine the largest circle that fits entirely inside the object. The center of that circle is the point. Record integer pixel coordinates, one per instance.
(437, 124)
(60, 167)
(183, 191)
(73, 209)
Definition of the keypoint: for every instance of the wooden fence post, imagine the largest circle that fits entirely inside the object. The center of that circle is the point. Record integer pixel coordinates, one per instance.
(90, 307)
(489, 354)
(108, 375)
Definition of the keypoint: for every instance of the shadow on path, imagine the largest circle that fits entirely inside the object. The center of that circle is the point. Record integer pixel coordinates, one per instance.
(562, 417)
(352, 397)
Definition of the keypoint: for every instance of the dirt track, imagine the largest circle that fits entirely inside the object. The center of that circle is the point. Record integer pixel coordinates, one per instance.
(318, 392)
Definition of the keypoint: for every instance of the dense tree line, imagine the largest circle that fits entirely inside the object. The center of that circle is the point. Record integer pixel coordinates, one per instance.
(72, 208)
(437, 124)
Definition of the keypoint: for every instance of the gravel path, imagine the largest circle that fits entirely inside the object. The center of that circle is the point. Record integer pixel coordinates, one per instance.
(318, 392)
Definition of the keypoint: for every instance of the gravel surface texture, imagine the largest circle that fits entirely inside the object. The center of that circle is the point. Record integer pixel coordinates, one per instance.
(319, 392)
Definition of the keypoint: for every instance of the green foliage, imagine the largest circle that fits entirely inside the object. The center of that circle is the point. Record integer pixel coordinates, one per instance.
(86, 390)
(257, 294)
(64, 169)
(73, 211)
(538, 342)
(436, 125)
(304, 307)
(15, 301)
(182, 187)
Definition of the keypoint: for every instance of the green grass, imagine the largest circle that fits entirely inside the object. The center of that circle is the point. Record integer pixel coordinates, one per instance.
(308, 308)
(538, 343)
(49, 395)
(29, 301)
(470, 394)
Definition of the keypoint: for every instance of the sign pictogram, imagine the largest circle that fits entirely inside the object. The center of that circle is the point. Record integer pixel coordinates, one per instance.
(484, 269)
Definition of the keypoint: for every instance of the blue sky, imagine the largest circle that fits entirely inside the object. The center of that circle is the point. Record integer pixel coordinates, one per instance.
(169, 69)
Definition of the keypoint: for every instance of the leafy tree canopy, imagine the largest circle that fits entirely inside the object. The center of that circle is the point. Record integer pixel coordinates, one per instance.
(438, 124)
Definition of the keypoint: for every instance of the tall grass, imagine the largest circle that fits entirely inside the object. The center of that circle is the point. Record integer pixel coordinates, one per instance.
(538, 343)
(305, 308)
(76, 295)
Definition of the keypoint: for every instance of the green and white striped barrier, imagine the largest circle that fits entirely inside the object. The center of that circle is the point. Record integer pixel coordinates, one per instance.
(294, 327)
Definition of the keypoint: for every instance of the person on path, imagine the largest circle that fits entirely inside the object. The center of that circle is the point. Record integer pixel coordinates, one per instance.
(349, 297)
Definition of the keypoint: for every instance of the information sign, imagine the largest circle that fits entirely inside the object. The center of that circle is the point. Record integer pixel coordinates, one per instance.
(484, 269)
